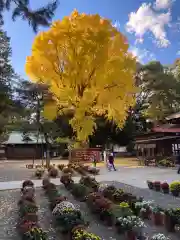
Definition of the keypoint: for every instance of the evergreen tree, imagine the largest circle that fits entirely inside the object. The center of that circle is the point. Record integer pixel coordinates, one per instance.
(35, 18)
(7, 77)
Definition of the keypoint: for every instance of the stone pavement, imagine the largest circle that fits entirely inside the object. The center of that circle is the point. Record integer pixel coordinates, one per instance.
(12, 178)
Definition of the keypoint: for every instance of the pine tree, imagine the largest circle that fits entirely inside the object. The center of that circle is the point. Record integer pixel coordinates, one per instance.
(7, 76)
(35, 18)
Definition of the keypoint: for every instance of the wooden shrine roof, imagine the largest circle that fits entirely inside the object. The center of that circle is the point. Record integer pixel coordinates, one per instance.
(167, 128)
(157, 139)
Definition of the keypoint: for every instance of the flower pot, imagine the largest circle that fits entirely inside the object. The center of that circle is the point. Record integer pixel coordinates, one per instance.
(157, 219)
(157, 188)
(107, 219)
(146, 214)
(175, 193)
(130, 235)
(165, 190)
(169, 223)
(150, 185)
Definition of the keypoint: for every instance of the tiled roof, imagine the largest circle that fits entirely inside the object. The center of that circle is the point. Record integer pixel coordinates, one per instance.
(18, 138)
(167, 128)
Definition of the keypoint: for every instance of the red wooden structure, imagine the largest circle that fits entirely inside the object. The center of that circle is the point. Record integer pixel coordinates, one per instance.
(85, 155)
(163, 140)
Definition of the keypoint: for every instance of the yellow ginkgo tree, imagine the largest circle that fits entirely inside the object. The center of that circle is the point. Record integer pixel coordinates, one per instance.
(86, 63)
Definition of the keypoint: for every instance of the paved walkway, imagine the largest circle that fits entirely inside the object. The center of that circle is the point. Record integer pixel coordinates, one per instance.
(136, 177)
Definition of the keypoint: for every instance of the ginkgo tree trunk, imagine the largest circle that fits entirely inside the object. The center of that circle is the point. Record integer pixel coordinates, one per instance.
(89, 70)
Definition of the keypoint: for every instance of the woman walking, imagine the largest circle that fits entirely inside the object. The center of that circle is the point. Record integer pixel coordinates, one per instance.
(111, 161)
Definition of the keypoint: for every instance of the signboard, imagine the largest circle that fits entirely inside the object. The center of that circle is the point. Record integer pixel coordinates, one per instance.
(85, 155)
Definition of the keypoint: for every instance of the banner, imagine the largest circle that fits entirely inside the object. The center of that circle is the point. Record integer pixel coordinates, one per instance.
(85, 155)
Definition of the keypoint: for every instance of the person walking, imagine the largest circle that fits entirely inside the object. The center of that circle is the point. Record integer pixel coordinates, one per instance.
(111, 161)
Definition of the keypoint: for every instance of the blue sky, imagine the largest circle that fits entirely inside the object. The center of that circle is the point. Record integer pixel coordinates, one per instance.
(152, 27)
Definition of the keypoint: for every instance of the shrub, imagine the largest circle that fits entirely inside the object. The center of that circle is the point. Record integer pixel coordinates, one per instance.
(36, 233)
(27, 183)
(39, 172)
(109, 191)
(122, 210)
(103, 203)
(89, 182)
(80, 191)
(81, 234)
(66, 179)
(67, 170)
(53, 172)
(45, 182)
(175, 186)
(61, 166)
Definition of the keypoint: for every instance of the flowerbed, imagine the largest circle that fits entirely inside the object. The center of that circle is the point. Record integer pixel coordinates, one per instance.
(112, 204)
(106, 210)
(28, 226)
(67, 217)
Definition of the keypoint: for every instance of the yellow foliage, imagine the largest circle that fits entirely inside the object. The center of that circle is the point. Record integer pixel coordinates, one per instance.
(85, 62)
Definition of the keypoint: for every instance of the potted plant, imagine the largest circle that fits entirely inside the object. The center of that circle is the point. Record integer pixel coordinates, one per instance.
(157, 216)
(165, 187)
(157, 186)
(102, 187)
(131, 226)
(175, 188)
(144, 208)
(67, 180)
(109, 191)
(150, 184)
(35, 233)
(170, 220)
(61, 166)
(39, 173)
(80, 191)
(118, 196)
(82, 234)
(159, 236)
(27, 183)
(121, 210)
(53, 172)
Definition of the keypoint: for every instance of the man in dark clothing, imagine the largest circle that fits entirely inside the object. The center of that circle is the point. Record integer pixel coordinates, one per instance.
(111, 161)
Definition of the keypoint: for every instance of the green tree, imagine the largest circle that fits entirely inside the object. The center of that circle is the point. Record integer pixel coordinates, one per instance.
(32, 97)
(8, 106)
(35, 18)
(158, 90)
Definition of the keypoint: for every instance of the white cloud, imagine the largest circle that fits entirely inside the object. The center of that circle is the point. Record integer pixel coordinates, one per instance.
(163, 4)
(178, 52)
(117, 25)
(142, 55)
(147, 20)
